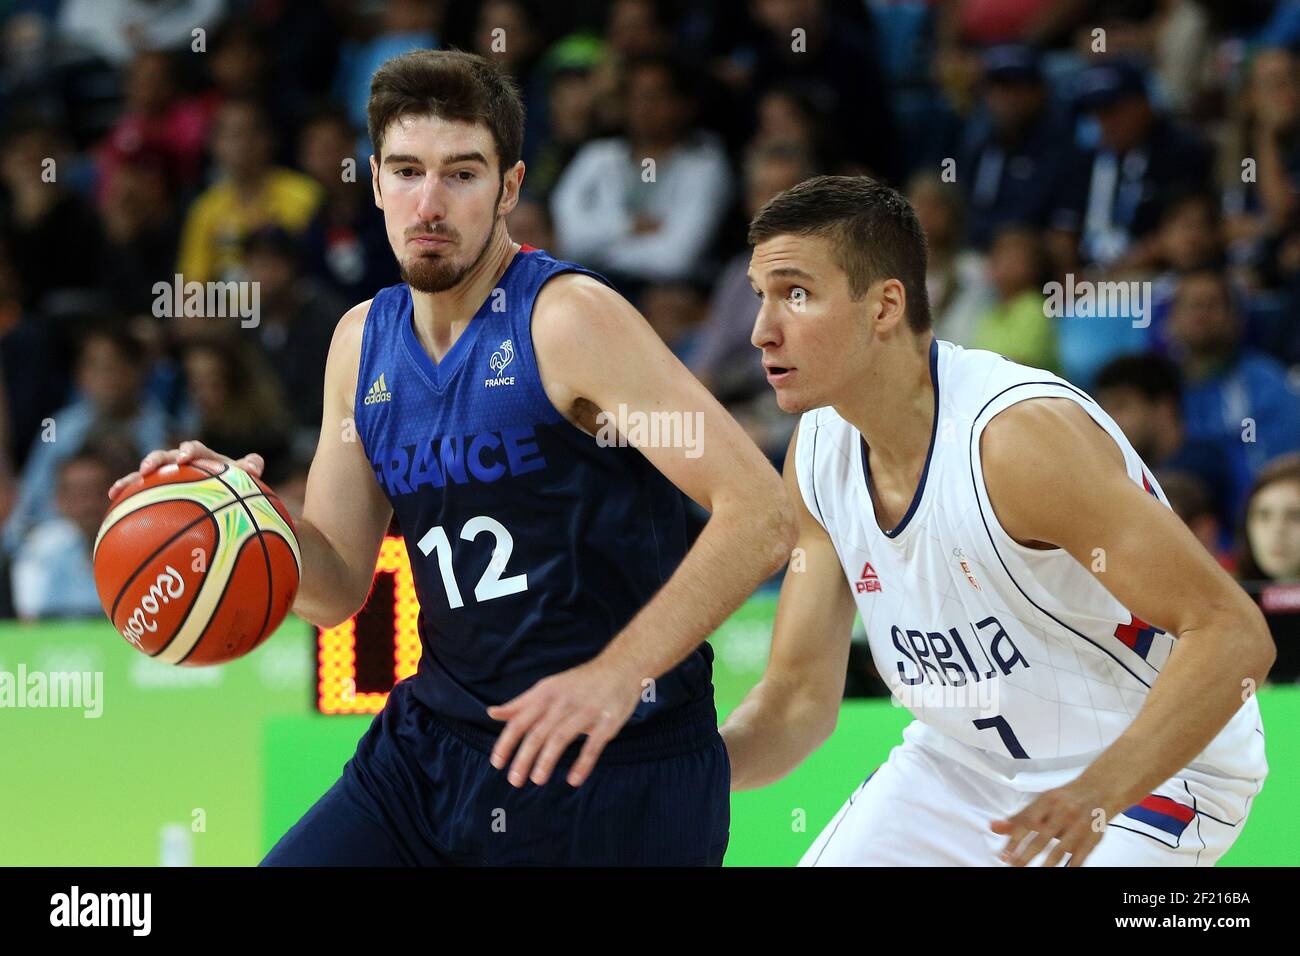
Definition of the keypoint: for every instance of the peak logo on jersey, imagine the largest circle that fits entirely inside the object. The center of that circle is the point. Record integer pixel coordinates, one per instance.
(869, 581)
(500, 359)
(378, 391)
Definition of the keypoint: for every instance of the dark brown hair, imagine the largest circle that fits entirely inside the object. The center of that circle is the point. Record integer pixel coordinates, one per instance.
(872, 228)
(1283, 468)
(451, 85)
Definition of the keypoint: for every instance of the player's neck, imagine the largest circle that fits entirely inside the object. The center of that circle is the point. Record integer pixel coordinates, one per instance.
(895, 407)
(440, 317)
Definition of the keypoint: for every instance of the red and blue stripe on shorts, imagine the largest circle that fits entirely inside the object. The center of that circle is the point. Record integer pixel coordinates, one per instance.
(1162, 813)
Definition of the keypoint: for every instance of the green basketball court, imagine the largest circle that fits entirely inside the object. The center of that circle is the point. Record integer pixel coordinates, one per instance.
(210, 766)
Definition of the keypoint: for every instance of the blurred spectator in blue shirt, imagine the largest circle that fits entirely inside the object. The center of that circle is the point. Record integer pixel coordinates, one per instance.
(1189, 237)
(1019, 164)
(1144, 394)
(53, 574)
(1275, 329)
(1237, 397)
(1141, 159)
(1283, 27)
(111, 402)
(405, 25)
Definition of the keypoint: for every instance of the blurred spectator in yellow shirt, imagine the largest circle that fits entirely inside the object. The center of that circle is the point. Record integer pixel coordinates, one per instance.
(249, 193)
(1017, 325)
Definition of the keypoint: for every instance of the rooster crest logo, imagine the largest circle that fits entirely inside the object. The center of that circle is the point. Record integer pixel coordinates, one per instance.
(502, 357)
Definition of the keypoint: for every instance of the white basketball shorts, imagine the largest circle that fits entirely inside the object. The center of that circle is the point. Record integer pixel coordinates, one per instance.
(922, 808)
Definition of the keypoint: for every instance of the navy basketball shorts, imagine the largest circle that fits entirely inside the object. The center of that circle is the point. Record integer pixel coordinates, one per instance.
(420, 791)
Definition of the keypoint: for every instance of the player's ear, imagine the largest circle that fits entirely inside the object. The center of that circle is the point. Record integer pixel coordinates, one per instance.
(512, 182)
(374, 181)
(893, 305)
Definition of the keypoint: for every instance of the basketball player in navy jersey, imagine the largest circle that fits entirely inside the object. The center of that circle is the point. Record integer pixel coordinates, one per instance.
(563, 708)
(1080, 668)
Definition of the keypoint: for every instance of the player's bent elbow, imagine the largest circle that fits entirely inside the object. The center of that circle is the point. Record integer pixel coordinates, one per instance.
(1269, 659)
(331, 610)
(1266, 650)
(1239, 619)
(353, 605)
(319, 615)
(336, 617)
(1262, 650)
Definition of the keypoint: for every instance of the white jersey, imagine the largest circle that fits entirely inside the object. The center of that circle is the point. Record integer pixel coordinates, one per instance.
(1015, 661)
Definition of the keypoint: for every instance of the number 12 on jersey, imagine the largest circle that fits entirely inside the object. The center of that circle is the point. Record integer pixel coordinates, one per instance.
(491, 584)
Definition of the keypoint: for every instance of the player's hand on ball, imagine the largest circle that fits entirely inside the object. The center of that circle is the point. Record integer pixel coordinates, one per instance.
(593, 699)
(187, 452)
(1074, 816)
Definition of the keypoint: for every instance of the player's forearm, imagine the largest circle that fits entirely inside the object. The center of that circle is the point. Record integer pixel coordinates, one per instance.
(773, 731)
(743, 544)
(1208, 676)
(329, 590)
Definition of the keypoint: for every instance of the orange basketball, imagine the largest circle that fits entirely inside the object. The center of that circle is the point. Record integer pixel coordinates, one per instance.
(196, 564)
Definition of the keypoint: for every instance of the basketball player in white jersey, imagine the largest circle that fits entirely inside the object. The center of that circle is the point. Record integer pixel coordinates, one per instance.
(1081, 671)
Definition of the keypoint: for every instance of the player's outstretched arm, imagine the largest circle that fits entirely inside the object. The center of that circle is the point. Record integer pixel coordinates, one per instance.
(792, 710)
(345, 513)
(595, 351)
(1055, 477)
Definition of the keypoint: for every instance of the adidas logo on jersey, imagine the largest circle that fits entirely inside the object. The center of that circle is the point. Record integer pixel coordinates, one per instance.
(869, 581)
(378, 392)
(500, 359)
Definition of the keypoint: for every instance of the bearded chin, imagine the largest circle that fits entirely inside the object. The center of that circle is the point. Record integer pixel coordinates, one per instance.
(431, 274)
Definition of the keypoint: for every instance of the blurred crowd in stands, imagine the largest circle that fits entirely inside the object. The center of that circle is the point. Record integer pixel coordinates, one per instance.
(1149, 147)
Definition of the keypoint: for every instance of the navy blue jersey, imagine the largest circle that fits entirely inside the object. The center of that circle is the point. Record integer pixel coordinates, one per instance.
(531, 545)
